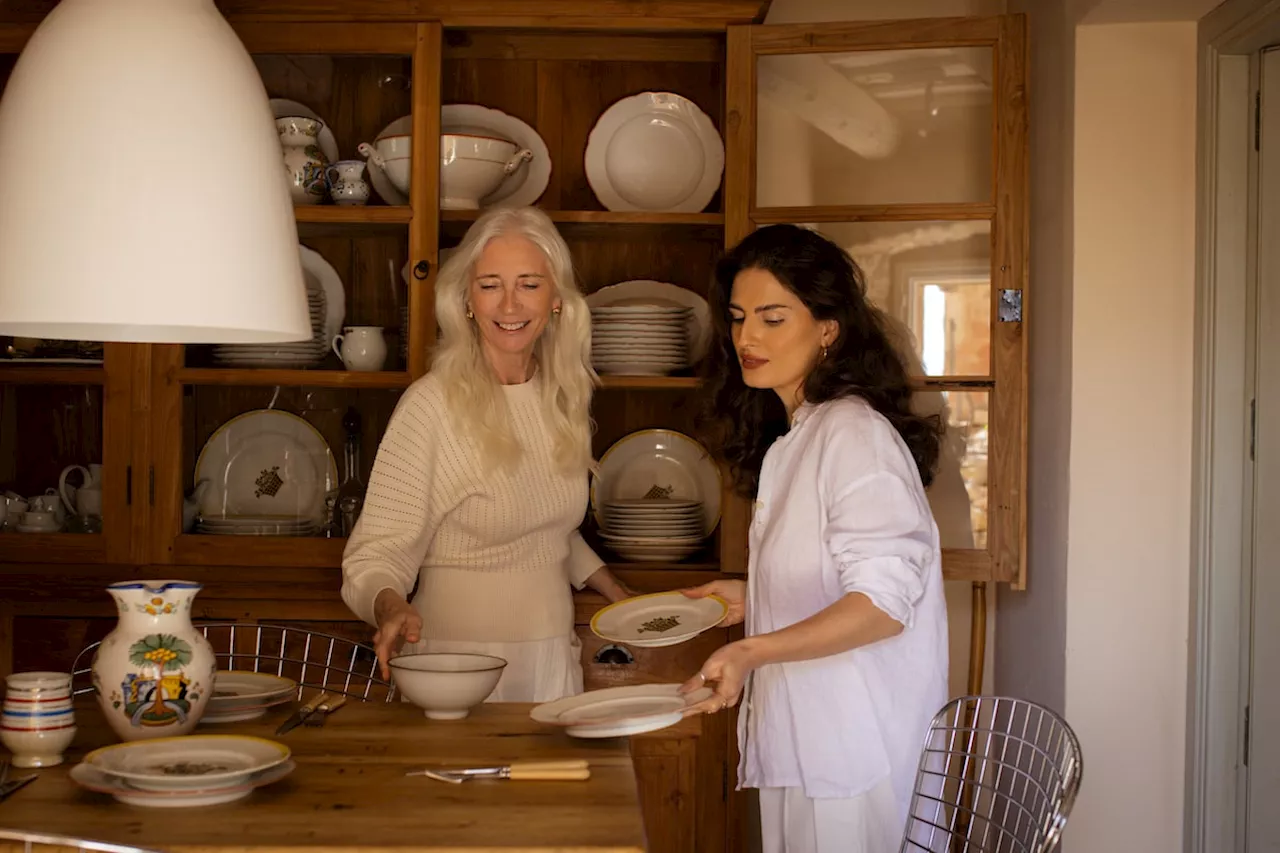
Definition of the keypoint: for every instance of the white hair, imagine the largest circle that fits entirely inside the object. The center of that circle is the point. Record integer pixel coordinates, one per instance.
(476, 404)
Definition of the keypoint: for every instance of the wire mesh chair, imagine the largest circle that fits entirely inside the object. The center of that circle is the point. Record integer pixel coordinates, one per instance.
(13, 841)
(313, 659)
(997, 775)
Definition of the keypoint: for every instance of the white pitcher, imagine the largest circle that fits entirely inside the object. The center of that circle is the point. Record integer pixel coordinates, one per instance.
(361, 348)
(86, 500)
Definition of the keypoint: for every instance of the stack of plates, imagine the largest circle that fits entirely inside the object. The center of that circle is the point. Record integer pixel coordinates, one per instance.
(239, 696)
(250, 525)
(653, 529)
(196, 770)
(640, 340)
(299, 354)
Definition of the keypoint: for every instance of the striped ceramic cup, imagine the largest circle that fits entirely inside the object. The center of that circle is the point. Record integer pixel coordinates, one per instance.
(37, 722)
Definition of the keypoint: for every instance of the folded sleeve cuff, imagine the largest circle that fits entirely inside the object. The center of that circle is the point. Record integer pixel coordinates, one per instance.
(893, 585)
(360, 594)
(583, 562)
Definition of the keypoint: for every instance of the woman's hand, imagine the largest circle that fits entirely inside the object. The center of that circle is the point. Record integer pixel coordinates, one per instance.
(734, 594)
(398, 623)
(725, 672)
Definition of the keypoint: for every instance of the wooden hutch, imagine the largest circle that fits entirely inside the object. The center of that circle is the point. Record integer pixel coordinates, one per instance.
(145, 411)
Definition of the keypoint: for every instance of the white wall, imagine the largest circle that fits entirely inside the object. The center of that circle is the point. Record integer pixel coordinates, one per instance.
(1131, 415)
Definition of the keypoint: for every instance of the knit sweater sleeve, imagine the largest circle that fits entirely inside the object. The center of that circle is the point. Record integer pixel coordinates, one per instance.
(583, 562)
(390, 540)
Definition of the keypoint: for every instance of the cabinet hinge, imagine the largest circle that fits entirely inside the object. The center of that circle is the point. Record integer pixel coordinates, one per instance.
(151, 485)
(1257, 121)
(1253, 429)
(128, 485)
(1010, 306)
(1246, 735)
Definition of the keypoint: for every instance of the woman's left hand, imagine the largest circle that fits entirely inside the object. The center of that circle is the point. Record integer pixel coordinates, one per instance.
(725, 672)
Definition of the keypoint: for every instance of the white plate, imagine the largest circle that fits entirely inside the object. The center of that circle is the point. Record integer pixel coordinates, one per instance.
(188, 763)
(654, 151)
(663, 460)
(241, 456)
(321, 275)
(527, 184)
(282, 107)
(233, 688)
(381, 183)
(632, 299)
(93, 779)
(618, 711)
(658, 619)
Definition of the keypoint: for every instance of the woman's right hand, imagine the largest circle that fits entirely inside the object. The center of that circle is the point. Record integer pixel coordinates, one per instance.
(398, 623)
(734, 594)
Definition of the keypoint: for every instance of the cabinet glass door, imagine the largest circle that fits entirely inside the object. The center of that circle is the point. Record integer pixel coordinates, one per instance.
(905, 142)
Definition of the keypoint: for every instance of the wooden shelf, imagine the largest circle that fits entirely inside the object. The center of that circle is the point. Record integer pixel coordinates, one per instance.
(327, 219)
(649, 383)
(311, 378)
(52, 374)
(589, 222)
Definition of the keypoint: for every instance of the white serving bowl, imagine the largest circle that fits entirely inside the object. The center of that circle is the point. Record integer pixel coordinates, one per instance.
(472, 167)
(446, 686)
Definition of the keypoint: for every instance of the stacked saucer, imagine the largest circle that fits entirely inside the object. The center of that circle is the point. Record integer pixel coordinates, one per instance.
(306, 353)
(653, 529)
(640, 340)
(239, 696)
(254, 525)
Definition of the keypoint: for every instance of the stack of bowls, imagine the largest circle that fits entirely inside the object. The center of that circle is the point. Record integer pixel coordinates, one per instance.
(37, 723)
(653, 529)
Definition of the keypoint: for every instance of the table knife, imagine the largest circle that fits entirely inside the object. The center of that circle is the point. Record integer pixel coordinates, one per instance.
(301, 714)
(539, 771)
(12, 787)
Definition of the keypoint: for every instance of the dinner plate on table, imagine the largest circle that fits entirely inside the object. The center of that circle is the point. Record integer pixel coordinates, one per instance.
(658, 619)
(619, 711)
(239, 696)
(91, 778)
(189, 763)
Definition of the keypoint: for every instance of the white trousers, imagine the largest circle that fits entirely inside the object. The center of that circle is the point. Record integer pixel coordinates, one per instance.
(790, 822)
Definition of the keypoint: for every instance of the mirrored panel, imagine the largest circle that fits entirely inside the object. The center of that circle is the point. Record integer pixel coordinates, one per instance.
(875, 127)
(933, 279)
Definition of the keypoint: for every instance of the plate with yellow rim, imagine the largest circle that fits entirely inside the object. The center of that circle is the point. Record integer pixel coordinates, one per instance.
(658, 619)
(191, 762)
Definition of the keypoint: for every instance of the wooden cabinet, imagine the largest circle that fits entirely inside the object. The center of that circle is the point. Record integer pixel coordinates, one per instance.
(903, 141)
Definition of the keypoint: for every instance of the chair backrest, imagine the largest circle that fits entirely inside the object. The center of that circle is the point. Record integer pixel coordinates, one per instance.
(997, 775)
(314, 659)
(17, 841)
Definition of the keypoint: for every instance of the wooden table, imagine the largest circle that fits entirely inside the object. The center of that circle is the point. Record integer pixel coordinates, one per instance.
(349, 791)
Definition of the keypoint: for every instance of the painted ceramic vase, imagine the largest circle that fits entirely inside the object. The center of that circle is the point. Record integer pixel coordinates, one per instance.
(304, 162)
(153, 673)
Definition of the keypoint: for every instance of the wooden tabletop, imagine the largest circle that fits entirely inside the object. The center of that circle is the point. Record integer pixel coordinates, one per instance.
(349, 791)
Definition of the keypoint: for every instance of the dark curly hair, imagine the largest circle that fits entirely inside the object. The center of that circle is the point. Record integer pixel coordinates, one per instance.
(738, 422)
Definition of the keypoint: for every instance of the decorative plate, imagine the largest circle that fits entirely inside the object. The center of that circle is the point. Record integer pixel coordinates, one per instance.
(655, 151)
(658, 619)
(658, 463)
(189, 763)
(93, 779)
(266, 463)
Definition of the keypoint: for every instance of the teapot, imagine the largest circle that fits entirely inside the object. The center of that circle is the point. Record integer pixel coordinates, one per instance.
(86, 500)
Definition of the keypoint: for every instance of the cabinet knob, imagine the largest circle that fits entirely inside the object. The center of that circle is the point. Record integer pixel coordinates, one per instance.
(421, 270)
(615, 655)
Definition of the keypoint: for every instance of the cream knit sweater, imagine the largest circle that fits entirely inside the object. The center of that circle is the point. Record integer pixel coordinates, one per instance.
(493, 556)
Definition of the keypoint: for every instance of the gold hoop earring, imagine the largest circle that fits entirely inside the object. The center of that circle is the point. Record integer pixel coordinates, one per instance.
(555, 311)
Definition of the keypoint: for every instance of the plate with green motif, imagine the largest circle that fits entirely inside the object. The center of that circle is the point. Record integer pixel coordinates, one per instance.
(658, 619)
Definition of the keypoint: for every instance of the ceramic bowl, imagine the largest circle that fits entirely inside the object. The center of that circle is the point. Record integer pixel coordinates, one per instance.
(446, 686)
(472, 167)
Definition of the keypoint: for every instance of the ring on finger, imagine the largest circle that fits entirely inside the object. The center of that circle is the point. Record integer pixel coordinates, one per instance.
(703, 676)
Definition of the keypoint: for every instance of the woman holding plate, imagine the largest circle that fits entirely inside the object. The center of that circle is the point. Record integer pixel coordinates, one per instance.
(480, 481)
(845, 659)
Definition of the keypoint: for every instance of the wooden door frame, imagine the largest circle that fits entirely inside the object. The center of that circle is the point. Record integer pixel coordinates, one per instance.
(1219, 614)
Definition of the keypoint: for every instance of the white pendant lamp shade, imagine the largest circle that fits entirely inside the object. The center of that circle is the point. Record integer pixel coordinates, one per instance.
(142, 187)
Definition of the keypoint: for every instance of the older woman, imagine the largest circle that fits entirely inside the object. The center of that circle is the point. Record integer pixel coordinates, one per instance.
(845, 658)
(480, 482)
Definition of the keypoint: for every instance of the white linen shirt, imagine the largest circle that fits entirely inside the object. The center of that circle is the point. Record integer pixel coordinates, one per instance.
(840, 510)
